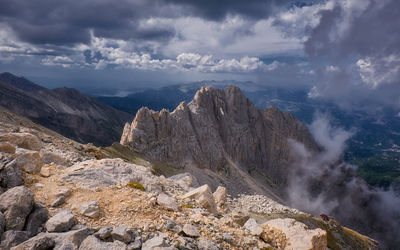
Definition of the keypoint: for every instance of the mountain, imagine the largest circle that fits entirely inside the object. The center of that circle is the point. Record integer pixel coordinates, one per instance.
(56, 193)
(221, 138)
(64, 110)
(374, 148)
(221, 132)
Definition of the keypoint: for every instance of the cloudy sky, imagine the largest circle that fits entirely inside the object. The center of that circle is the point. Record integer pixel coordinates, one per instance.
(345, 50)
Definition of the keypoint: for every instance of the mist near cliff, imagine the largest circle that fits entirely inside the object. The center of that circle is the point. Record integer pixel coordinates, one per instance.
(323, 183)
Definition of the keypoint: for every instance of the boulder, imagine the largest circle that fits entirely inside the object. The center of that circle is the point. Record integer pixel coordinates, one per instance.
(124, 233)
(29, 161)
(220, 195)
(104, 233)
(91, 209)
(6, 147)
(36, 220)
(92, 243)
(42, 241)
(203, 197)
(167, 202)
(12, 238)
(253, 227)
(136, 245)
(298, 236)
(22, 140)
(57, 241)
(71, 239)
(153, 243)
(190, 230)
(60, 222)
(16, 204)
(11, 175)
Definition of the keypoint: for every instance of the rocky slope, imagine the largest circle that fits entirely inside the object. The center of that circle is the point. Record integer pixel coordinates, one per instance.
(64, 110)
(59, 194)
(221, 137)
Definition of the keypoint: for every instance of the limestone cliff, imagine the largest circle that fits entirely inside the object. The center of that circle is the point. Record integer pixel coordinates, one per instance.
(221, 131)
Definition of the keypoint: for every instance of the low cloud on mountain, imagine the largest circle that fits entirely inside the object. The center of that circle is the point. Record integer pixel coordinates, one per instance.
(321, 183)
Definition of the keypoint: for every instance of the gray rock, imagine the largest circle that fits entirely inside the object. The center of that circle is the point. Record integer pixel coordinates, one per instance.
(91, 209)
(220, 195)
(28, 160)
(2, 223)
(65, 192)
(206, 244)
(170, 224)
(190, 230)
(153, 243)
(124, 233)
(42, 241)
(12, 238)
(36, 220)
(71, 239)
(56, 241)
(253, 227)
(59, 201)
(11, 175)
(92, 243)
(167, 202)
(137, 244)
(16, 204)
(104, 233)
(60, 222)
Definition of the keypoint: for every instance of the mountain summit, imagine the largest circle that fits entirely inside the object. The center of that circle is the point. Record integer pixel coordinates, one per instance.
(221, 132)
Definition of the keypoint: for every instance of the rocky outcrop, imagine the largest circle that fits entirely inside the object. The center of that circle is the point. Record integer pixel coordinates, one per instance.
(221, 131)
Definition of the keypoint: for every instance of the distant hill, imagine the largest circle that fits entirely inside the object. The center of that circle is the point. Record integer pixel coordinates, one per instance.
(64, 110)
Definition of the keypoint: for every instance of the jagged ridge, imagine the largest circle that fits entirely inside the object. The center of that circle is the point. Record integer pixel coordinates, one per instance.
(221, 131)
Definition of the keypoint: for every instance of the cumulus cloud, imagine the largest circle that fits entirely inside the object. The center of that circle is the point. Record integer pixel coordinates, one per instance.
(320, 182)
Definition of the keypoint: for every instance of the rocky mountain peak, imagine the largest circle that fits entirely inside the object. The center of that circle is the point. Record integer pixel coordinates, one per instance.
(220, 132)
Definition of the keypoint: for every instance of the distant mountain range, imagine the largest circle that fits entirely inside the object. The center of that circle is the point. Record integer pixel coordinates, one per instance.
(65, 110)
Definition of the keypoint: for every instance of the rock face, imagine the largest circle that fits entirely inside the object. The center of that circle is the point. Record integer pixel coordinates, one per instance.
(222, 131)
(16, 204)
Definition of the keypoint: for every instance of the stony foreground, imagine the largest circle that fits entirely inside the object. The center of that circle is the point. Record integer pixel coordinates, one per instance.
(58, 194)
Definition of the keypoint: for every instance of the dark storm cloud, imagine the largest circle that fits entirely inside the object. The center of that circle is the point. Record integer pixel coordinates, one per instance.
(68, 22)
(359, 45)
(373, 31)
(217, 10)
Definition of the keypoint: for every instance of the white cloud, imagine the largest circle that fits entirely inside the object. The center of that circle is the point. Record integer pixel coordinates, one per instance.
(376, 71)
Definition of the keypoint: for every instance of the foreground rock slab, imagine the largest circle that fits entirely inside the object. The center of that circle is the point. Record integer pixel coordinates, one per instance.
(298, 236)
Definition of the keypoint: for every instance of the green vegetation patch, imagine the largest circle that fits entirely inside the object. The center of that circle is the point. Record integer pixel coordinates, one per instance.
(136, 185)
